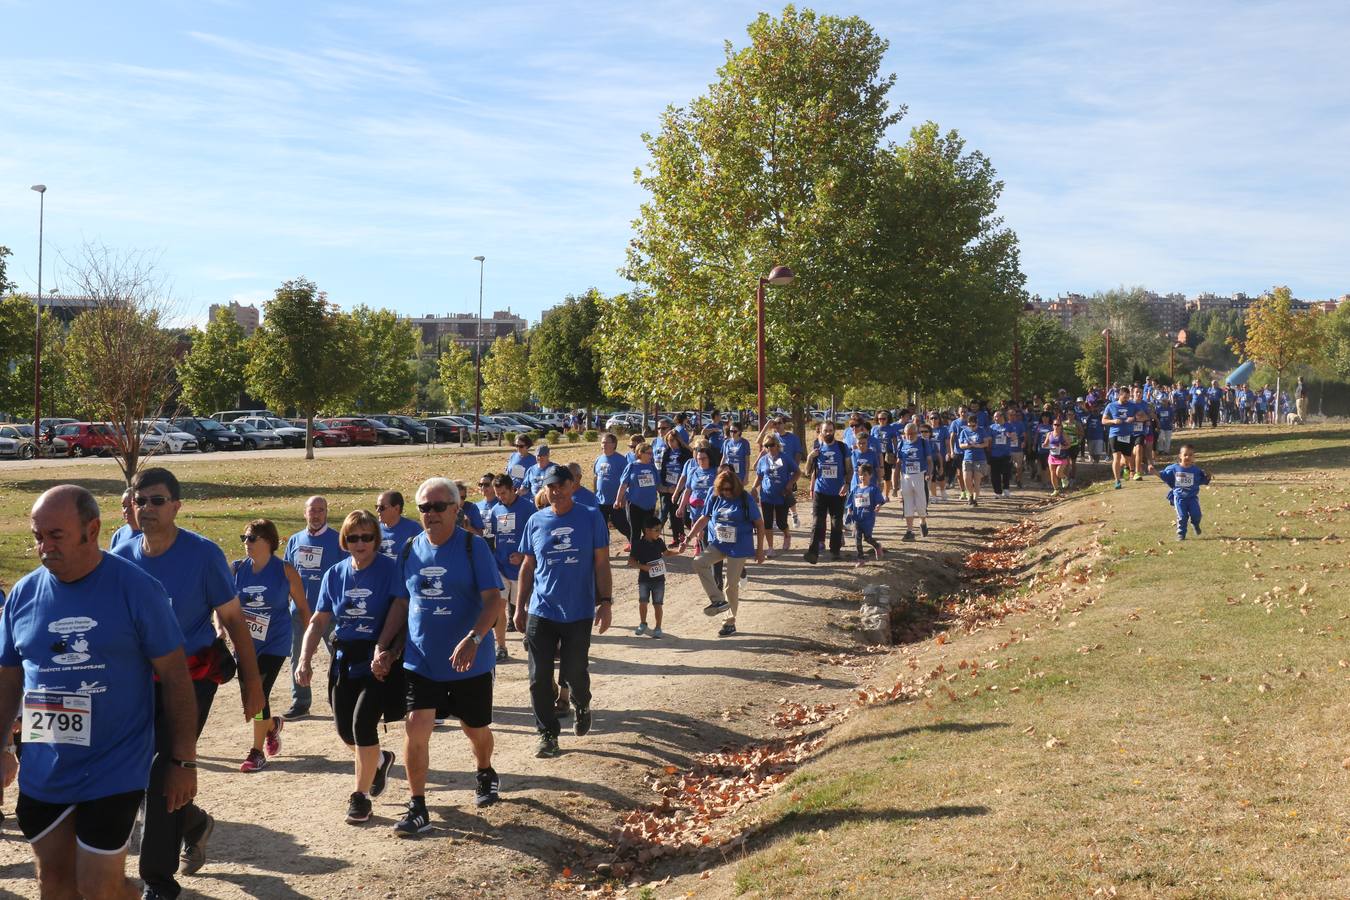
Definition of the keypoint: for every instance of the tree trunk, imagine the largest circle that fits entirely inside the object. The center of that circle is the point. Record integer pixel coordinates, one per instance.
(309, 434)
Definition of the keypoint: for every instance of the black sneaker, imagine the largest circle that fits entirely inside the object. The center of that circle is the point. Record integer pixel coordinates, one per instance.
(909, 536)
(358, 808)
(296, 712)
(923, 527)
(811, 555)
(488, 789)
(835, 556)
(193, 857)
(414, 822)
(583, 721)
(727, 629)
(547, 748)
(715, 607)
(382, 773)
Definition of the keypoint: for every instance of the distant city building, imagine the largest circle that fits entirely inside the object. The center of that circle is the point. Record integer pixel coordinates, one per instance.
(1064, 309)
(463, 329)
(248, 317)
(1168, 310)
(66, 308)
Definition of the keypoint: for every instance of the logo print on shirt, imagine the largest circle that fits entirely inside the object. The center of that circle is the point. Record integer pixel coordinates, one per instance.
(431, 584)
(357, 608)
(562, 539)
(72, 647)
(256, 592)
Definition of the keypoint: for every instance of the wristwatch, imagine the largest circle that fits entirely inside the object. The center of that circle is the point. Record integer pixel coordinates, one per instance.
(473, 636)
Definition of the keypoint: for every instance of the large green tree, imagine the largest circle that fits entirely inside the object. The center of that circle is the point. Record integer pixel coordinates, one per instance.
(564, 367)
(305, 354)
(5, 284)
(506, 375)
(457, 376)
(1135, 334)
(212, 372)
(1336, 338)
(1278, 337)
(389, 347)
(16, 360)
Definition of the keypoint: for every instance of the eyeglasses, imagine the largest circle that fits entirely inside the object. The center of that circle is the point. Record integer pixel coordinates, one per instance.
(522, 446)
(439, 506)
(380, 507)
(733, 431)
(485, 484)
(156, 500)
(249, 538)
(361, 538)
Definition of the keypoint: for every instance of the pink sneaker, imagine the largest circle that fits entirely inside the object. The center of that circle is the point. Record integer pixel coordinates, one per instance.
(274, 736)
(254, 762)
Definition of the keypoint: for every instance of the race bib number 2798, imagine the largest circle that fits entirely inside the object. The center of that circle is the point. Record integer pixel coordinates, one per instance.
(51, 717)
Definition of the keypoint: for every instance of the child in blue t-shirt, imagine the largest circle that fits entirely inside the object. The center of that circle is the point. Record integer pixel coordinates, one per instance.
(863, 501)
(1185, 478)
(649, 556)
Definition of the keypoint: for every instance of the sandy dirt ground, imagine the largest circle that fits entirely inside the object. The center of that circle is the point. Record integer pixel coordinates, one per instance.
(280, 833)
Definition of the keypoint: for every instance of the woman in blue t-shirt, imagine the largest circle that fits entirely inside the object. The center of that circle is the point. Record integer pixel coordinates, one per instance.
(775, 481)
(731, 529)
(638, 486)
(266, 586)
(356, 596)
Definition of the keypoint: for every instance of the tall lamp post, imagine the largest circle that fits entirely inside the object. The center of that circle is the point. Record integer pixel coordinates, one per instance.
(37, 329)
(779, 275)
(1017, 352)
(478, 360)
(1106, 333)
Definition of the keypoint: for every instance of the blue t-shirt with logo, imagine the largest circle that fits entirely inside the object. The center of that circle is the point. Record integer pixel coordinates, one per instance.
(444, 585)
(359, 600)
(642, 480)
(863, 502)
(731, 525)
(1165, 422)
(534, 477)
(608, 468)
(792, 445)
(265, 598)
(86, 648)
(830, 468)
(1118, 409)
(884, 437)
(871, 456)
(699, 482)
(122, 535)
(1185, 481)
(736, 453)
(508, 525)
(313, 555)
(1002, 438)
(518, 465)
(197, 578)
(563, 548)
(774, 475)
(970, 435)
(393, 538)
(912, 457)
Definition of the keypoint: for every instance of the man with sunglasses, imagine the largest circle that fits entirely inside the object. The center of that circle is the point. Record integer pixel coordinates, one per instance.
(566, 576)
(313, 550)
(396, 529)
(454, 599)
(194, 572)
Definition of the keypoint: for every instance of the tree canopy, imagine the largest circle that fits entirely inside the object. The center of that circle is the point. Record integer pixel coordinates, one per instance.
(212, 372)
(564, 367)
(506, 375)
(388, 353)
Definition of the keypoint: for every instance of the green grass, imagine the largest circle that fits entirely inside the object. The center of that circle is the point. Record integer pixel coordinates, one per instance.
(1174, 772)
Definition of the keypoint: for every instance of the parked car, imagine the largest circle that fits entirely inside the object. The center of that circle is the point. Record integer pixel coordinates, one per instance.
(230, 415)
(443, 431)
(22, 435)
(529, 420)
(360, 432)
(256, 438)
(417, 432)
(291, 435)
(157, 437)
(485, 425)
(209, 433)
(466, 428)
(87, 438)
(629, 421)
(326, 435)
(384, 432)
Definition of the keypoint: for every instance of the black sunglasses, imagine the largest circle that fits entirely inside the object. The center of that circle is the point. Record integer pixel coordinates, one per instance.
(361, 538)
(152, 501)
(381, 507)
(249, 538)
(438, 506)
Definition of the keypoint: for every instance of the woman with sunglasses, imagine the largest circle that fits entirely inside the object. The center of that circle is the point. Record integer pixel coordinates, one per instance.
(732, 530)
(357, 595)
(775, 481)
(637, 491)
(671, 465)
(736, 452)
(266, 586)
(695, 485)
(520, 461)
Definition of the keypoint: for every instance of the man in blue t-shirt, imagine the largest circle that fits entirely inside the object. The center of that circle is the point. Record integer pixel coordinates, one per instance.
(128, 529)
(566, 575)
(830, 470)
(194, 572)
(81, 640)
(454, 596)
(396, 529)
(313, 550)
(608, 469)
(1121, 417)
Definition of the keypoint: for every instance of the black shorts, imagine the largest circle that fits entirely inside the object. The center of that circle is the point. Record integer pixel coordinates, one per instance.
(1125, 446)
(101, 826)
(775, 515)
(887, 469)
(467, 699)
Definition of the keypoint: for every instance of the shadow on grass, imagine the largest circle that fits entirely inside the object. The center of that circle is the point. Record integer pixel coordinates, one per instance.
(896, 734)
(192, 490)
(1310, 458)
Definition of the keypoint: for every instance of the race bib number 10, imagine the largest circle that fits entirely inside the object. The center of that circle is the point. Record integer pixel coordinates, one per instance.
(50, 717)
(309, 557)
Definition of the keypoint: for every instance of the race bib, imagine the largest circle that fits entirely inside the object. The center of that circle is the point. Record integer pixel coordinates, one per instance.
(672, 477)
(911, 468)
(506, 523)
(658, 568)
(726, 534)
(829, 472)
(308, 556)
(862, 501)
(646, 480)
(52, 717)
(257, 623)
(1185, 480)
(517, 472)
(1138, 427)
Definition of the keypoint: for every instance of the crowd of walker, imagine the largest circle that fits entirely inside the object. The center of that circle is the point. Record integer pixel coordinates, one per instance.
(110, 661)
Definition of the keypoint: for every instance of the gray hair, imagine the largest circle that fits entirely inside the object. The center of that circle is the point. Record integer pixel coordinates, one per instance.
(438, 482)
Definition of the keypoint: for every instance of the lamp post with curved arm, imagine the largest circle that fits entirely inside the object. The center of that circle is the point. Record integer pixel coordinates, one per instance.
(777, 276)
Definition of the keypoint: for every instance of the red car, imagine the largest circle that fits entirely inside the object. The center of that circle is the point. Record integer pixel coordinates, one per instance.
(329, 435)
(88, 438)
(360, 432)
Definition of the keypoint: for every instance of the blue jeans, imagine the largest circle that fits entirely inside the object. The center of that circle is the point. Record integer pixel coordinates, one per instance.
(302, 696)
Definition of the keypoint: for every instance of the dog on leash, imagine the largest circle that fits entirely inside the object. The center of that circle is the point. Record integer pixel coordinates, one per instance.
(1293, 418)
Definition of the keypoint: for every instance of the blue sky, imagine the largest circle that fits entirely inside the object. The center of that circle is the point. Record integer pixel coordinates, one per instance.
(377, 148)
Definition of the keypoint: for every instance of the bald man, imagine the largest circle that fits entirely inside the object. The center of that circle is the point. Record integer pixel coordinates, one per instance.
(82, 638)
(313, 550)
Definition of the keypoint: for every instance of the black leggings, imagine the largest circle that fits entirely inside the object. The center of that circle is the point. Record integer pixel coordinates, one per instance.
(620, 521)
(357, 705)
(861, 534)
(638, 516)
(669, 511)
(269, 664)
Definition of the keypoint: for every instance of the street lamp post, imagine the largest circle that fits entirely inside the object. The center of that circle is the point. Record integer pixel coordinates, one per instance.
(777, 276)
(1017, 352)
(478, 360)
(1106, 333)
(37, 329)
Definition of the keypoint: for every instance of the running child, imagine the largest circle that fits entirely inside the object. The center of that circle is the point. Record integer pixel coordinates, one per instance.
(1184, 478)
(649, 556)
(863, 501)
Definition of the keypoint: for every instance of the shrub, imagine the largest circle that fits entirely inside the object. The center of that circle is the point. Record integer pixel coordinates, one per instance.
(511, 437)
(554, 437)
(573, 437)
(591, 435)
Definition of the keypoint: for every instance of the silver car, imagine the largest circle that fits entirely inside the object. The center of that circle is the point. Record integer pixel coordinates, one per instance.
(158, 437)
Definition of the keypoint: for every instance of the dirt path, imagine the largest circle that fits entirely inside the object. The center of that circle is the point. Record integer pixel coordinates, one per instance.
(280, 833)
